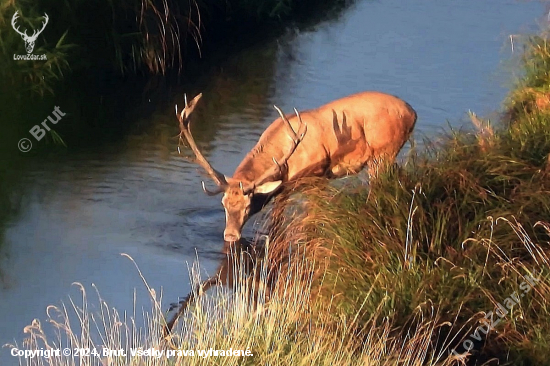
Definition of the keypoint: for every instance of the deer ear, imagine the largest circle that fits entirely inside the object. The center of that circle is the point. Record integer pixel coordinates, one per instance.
(268, 187)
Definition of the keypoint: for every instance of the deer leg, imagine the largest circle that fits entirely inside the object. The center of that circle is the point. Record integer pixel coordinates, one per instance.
(346, 168)
(380, 163)
(338, 171)
(220, 276)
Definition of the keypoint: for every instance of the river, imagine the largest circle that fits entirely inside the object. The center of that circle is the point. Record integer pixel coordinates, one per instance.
(137, 196)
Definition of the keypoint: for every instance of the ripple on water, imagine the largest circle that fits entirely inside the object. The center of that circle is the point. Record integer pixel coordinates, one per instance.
(196, 231)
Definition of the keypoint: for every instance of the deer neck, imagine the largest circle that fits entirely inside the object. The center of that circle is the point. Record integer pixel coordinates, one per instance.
(253, 166)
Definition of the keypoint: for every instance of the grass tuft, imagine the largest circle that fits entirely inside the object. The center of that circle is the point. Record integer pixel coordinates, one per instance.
(460, 227)
(284, 332)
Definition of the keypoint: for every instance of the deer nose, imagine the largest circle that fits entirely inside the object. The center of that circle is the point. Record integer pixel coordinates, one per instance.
(231, 237)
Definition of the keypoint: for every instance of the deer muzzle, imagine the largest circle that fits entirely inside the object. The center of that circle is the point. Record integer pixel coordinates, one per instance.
(233, 227)
(231, 236)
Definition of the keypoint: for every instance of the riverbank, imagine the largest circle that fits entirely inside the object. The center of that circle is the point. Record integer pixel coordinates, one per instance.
(104, 60)
(454, 237)
(130, 37)
(124, 52)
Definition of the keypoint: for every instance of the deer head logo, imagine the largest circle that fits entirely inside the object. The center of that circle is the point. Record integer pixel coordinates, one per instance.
(29, 40)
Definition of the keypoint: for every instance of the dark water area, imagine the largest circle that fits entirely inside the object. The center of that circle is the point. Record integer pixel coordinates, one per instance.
(78, 210)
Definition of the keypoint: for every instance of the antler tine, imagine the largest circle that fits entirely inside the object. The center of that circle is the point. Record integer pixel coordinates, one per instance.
(185, 130)
(293, 135)
(46, 19)
(209, 192)
(303, 127)
(15, 27)
(296, 139)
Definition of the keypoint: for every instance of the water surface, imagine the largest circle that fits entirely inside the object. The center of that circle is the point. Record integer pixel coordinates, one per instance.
(139, 197)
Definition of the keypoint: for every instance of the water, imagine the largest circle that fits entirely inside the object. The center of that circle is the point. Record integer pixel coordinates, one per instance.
(138, 197)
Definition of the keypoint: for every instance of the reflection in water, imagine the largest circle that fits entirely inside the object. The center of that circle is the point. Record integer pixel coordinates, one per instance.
(241, 260)
(138, 196)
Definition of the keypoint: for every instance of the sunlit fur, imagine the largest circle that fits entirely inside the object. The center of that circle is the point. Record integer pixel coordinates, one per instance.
(237, 210)
(343, 137)
(336, 139)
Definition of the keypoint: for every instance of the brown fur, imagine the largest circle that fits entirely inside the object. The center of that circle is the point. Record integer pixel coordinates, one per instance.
(368, 125)
(339, 138)
(342, 137)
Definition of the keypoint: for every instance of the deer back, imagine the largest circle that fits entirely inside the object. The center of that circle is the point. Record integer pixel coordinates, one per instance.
(351, 130)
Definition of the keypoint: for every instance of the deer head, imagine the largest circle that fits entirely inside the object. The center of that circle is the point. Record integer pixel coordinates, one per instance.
(29, 40)
(239, 198)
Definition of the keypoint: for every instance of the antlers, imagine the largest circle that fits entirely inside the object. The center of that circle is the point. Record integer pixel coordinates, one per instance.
(219, 178)
(185, 129)
(24, 35)
(296, 139)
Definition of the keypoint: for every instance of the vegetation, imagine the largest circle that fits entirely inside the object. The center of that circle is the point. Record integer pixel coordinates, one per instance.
(283, 332)
(108, 62)
(457, 229)
(402, 271)
(128, 36)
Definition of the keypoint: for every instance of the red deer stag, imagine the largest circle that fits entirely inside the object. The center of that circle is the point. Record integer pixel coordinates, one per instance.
(336, 139)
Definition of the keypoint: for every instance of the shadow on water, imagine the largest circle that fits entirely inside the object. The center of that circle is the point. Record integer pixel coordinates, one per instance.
(120, 142)
(102, 107)
(240, 260)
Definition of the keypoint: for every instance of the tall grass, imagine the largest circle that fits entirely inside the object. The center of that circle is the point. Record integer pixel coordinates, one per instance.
(284, 332)
(452, 229)
(128, 36)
